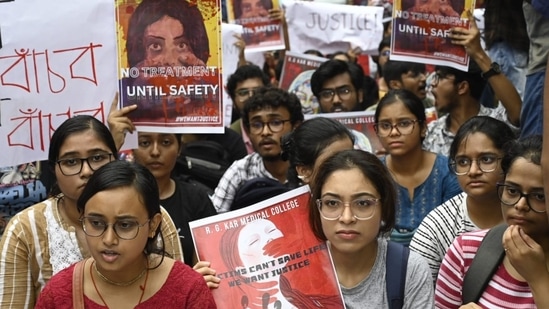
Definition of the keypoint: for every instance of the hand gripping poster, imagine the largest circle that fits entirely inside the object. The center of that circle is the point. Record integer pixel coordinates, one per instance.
(169, 59)
(297, 70)
(421, 28)
(267, 256)
(261, 32)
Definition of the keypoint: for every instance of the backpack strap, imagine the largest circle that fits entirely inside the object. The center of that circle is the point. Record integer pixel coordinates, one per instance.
(395, 273)
(485, 263)
(77, 285)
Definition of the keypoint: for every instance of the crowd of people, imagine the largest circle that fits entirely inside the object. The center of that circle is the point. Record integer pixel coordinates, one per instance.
(113, 233)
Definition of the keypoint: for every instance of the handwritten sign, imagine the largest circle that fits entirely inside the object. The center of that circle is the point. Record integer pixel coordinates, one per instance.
(57, 61)
(333, 27)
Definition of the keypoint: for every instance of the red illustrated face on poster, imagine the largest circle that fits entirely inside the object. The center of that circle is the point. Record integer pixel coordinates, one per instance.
(166, 45)
(253, 8)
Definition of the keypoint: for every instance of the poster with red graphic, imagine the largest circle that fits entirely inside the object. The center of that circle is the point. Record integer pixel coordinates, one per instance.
(297, 70)
(169, 64)
(260, 32)
(421, 29)
(267, 256)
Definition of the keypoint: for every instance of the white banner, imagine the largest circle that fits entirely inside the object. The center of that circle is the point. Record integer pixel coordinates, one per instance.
(333, 27)
(229, 33)
(57, 60)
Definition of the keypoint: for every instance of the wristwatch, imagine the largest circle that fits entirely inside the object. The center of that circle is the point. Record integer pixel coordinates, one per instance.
(495, 69)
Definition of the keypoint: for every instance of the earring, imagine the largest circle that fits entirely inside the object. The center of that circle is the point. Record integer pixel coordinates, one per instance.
(301, 177)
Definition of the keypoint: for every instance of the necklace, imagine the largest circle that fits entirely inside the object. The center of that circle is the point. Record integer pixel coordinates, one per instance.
(143, 287)
(118, 283)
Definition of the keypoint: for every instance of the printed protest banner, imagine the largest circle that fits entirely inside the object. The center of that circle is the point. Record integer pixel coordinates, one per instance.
(267, 256)
(420, 32)
(333, 27)
(169, 57)
(362, 126)
(295, 77)
(58, 60)
(259, 32)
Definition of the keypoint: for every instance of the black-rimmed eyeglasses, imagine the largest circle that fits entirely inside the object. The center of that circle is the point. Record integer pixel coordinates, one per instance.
(510, 195)
(275, 125)
(73, 166)
(404, 127)
(343, 92)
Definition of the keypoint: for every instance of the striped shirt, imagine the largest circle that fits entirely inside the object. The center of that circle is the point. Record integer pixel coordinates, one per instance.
(249, 167)
(503, 291)
(438, 230)
(37, 244)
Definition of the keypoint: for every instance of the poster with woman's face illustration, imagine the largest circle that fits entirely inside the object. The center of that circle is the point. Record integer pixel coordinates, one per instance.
(267, 256)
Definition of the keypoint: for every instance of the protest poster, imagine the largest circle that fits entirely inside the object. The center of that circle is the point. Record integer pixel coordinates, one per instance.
(266, 254)
(420, 32)
(169, 64)
(295, 77)
(260, 32)
(58, 60)
(333, 27)
(361, 125)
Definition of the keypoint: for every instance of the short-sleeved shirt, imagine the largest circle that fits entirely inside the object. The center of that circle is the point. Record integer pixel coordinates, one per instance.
(371, 292)
(502, 291)
(439, 138)
(438, 230)
(249, 167)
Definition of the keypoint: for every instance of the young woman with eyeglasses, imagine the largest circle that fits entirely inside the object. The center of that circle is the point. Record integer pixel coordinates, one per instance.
(352, 206)
(475, 157)
(121, 218)
(45, 238)
(422, 177)
(521, 279)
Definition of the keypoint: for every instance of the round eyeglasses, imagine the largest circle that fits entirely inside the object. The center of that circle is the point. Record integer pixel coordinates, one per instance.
(124, 229)
(332, 209)
(403, 127)
(510, 195)
(73, 166)
(461, 165)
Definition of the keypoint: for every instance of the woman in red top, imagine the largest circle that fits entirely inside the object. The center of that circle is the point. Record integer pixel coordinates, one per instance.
(120, 215)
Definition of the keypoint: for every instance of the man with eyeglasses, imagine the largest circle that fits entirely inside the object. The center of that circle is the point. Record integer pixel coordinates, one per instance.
(458, 93)
(267, 116)
(241, 85)
(338, 86)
